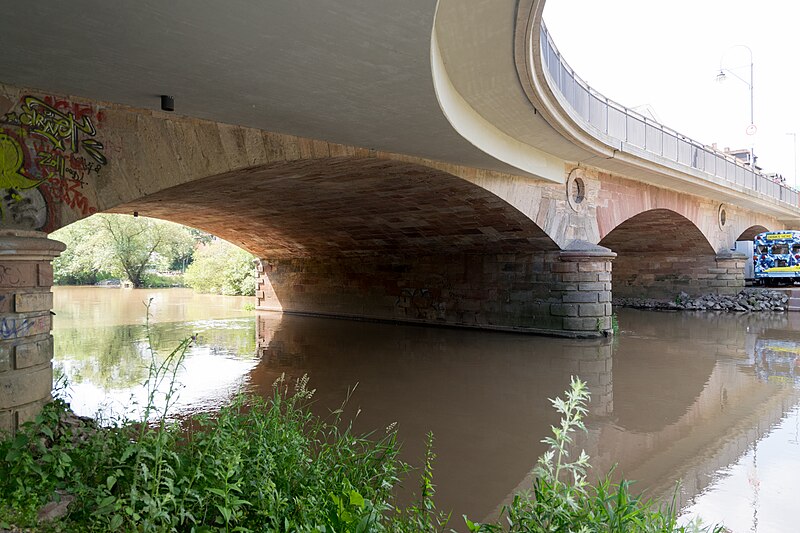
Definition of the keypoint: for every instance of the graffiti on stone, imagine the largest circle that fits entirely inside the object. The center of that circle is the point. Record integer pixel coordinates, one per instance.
(11, 328)
(49, 151)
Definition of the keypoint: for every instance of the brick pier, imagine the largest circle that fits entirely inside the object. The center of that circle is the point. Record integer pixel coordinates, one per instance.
(26, 345)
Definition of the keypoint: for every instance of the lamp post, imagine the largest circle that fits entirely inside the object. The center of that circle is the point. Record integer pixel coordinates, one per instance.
(722, 76)
(794, 138)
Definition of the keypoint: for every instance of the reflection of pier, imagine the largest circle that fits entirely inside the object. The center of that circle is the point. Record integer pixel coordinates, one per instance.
(482, 395)
(685, 399)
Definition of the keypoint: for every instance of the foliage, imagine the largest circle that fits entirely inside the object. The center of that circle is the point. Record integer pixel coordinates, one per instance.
(563, 501)
(270, 465)
(106, 246)
(222, 268)
(256, 465)
(77, 265)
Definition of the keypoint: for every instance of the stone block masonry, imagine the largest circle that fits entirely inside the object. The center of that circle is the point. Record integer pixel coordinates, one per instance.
(26, 345)
(561, 293)
(665, 275)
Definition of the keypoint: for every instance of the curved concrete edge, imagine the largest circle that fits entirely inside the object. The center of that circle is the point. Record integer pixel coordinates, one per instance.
(537, 89)
(483, 134)
(609, 153)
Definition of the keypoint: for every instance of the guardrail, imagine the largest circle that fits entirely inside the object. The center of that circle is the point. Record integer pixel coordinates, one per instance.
(628, 126)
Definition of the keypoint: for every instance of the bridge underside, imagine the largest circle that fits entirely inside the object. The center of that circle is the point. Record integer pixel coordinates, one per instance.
(388, 240)
(661, 253)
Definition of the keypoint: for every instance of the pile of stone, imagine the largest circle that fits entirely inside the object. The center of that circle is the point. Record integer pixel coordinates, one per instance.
(749, 300)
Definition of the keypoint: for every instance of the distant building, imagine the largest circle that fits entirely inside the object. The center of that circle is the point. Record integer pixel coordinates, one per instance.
(743, 155)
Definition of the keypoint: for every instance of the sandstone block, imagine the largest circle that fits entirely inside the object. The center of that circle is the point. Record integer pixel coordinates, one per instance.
(580, 324)
(563, 267)
(6, 359)
(45, 275)
(592, 309)
(34, 353)
(591, 266)
(582, 297)
(564, 309)
(7, 421)
(20, 387)
(25, 302)
(13, 275)
(581, 276)
(7, 303)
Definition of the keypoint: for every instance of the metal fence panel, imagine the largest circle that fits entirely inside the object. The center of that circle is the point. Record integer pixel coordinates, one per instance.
(582, 103)
(598, 113)
(617, 125)
(684, 153)
(670, 147)
(635, 130)
(730, 170)
(627, 126)
(740, 172)
(697, 157)
(710, 165)
(749, 179)
(653, 139)
(719, 166)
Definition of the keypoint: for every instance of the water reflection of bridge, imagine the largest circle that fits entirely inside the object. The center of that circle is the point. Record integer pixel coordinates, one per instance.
(684, 397)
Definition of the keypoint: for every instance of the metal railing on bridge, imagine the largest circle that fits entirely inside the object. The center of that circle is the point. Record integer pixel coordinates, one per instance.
(628, 126)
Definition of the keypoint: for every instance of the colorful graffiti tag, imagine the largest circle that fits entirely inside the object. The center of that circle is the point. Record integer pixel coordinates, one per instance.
(48, 152)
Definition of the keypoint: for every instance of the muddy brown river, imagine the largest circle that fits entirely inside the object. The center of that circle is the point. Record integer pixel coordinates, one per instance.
(710, 400)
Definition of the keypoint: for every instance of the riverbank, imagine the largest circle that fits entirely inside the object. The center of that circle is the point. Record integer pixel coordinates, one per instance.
(272, 465)
(747, 301)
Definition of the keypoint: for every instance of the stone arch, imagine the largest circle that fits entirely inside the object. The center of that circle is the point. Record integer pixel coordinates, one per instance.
(750, 233)
(387, 239)
(660, 253)
(346, 206)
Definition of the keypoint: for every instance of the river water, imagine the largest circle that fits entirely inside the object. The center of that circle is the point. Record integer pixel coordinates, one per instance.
(712, 400)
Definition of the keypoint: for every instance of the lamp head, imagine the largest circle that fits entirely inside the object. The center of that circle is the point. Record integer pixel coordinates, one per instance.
(721, 76)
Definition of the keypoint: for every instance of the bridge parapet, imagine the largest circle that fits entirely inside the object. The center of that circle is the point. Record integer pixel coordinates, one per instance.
(626, 131)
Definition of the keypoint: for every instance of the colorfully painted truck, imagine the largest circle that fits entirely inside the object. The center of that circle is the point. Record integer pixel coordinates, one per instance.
(776, 257)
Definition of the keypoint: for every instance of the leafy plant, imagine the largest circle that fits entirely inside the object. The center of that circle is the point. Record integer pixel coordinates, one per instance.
(222, 268)
(562, 500)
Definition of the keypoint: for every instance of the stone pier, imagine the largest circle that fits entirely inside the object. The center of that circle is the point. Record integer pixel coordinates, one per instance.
(561, 293)
(26, 345)
(665, 275)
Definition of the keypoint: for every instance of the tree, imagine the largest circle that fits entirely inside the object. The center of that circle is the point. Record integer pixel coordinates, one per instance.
(121, 246)
(77, 264)
(222, 268)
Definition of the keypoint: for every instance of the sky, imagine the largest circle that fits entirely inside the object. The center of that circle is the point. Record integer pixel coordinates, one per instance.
(667, 55)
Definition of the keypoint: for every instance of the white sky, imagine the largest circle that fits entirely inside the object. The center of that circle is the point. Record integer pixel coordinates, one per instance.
(667, 54)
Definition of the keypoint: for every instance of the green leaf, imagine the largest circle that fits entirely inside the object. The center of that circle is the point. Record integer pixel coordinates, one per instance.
(116, 522)
(356, 499)
(226, 513)
(110, 480)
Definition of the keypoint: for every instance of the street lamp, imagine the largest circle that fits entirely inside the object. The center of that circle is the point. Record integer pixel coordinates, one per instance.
(794, 138)
(723, 75)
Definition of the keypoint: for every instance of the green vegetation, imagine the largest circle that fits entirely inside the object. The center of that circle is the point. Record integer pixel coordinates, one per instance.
(150, 253)
(222, 268)
(563, 500)
(120, 246)
(270, 465)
